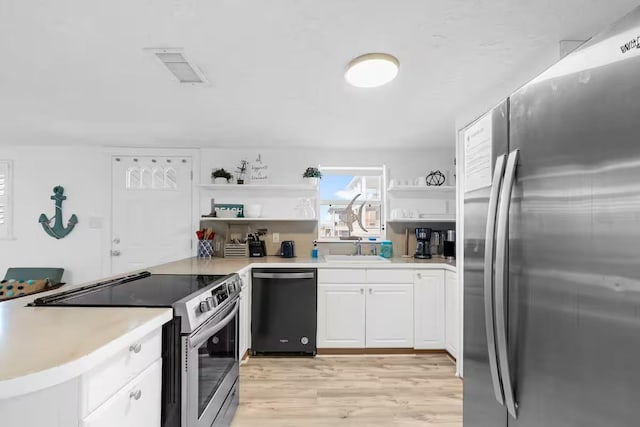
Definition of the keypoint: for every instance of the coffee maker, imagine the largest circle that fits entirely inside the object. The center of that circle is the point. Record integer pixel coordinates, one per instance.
(423, 247)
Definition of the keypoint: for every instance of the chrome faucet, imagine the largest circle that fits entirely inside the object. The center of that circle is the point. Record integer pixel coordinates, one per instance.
(358, 246)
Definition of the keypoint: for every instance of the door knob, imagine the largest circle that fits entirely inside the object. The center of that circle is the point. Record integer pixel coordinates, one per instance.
(115, 252)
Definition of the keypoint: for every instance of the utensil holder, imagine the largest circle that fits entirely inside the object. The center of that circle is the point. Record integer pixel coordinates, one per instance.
(205, 248)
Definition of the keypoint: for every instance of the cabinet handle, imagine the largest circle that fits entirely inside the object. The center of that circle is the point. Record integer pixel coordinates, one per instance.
(361, 291)
(135, 348)
(370, 291)
(419, 275)
(135, 395)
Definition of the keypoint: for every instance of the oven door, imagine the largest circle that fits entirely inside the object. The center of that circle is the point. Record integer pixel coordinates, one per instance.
(209, 385)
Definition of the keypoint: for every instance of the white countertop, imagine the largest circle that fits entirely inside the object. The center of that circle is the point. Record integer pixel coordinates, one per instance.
(231, 265)
(44, 346)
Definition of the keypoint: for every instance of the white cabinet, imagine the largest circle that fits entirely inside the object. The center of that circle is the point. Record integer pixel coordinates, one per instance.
(244, 327)
(389, 316)
(106, 379)
(360, 308)
(341, 316)
(452, 319)
(136, 405)
(429, 309)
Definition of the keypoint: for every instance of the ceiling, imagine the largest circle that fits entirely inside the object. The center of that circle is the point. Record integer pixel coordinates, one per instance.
(74, 71)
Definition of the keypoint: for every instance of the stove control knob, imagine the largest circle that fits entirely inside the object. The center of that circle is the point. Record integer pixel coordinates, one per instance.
(204, 307)
(212, 302)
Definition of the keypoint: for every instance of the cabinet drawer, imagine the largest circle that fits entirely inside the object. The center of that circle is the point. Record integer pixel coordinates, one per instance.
(389, 276)
(105, 380)
(137, 404)
(335, 275)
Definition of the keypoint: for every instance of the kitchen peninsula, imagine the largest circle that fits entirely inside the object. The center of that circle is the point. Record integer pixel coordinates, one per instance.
(39, 371)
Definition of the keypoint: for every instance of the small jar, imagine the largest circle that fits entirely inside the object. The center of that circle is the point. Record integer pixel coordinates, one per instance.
(386, 249)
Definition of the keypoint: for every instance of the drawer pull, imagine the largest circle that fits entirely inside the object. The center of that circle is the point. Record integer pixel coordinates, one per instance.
(135, 348)
(135, 395)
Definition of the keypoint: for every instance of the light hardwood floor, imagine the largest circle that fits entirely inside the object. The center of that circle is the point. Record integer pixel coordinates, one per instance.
(389, 391)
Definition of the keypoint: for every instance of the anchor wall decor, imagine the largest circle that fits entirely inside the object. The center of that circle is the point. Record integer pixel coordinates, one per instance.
(58, 231)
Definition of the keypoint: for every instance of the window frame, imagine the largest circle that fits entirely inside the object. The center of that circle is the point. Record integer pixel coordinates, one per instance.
(355, 171)
(6, 229)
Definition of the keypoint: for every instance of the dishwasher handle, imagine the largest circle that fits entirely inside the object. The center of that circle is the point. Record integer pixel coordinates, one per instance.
(286, 276)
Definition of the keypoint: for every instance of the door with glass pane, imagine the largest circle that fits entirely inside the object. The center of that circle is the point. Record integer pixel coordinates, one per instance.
(151, 211)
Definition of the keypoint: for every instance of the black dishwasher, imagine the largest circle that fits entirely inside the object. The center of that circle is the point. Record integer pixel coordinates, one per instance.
(283, 311)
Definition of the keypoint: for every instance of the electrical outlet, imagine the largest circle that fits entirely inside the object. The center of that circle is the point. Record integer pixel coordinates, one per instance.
(276, 237)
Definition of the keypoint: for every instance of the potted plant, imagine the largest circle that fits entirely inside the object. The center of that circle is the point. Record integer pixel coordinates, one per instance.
(242, 171)
(312, 176)
(220, 176)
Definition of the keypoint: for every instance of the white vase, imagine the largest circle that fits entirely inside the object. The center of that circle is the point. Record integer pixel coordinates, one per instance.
(311, 180)
(220, 181)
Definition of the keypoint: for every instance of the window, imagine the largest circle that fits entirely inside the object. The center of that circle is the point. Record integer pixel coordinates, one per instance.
(352, 202)
(5, 200)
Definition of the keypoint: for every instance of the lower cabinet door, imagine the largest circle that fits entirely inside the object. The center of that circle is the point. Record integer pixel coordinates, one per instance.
(452, 331)
(341, 316)
(137, 404)
(389, 316)
(429, 306)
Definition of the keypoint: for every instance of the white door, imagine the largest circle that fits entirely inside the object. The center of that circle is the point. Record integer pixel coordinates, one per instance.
(341, 316)
(390, 316)
(428, 292)
(452, 316)
(151, 211)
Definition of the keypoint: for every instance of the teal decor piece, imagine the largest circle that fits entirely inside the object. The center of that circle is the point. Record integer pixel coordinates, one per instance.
(58, 231)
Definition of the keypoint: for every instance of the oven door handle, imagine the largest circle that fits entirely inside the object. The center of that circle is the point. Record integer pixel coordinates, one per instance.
(203, 335)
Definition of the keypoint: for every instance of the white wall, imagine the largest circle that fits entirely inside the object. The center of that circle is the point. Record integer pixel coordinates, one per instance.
(36, 170)
(84, 174)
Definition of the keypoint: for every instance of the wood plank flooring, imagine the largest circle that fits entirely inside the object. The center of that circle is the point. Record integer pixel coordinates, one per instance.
(388, 391)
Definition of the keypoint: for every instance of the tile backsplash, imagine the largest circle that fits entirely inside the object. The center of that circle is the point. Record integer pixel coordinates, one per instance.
(304, 233)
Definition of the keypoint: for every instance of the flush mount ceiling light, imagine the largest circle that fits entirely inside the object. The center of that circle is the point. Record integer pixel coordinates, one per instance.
(372, 70)
(178, 64)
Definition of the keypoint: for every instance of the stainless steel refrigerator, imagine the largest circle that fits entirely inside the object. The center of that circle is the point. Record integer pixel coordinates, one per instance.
(552, 245)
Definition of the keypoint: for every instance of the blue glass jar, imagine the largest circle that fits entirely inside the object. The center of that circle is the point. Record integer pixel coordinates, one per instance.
(386, 249)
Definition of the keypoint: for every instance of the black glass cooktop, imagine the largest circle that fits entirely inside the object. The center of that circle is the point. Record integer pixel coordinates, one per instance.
(158, 290)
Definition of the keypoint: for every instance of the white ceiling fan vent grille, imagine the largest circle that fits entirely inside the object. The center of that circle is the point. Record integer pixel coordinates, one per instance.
(179, 65)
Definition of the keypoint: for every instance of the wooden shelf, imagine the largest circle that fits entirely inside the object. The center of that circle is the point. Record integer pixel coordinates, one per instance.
(260, 187)
(446, 218)
(422, 189)
(247, 220)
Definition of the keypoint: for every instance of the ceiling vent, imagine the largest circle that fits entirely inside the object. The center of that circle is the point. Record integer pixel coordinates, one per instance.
(179, 65)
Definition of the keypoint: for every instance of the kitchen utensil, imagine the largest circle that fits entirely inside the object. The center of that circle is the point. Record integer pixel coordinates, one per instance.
(287, 249)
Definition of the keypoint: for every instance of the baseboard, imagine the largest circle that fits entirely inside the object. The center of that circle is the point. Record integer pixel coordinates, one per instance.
(381, 351)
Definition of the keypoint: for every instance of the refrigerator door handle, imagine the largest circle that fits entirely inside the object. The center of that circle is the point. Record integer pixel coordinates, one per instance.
(502, 241)
(489, 307)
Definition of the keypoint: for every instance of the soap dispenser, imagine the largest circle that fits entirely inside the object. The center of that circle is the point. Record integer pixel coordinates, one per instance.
(314, 250)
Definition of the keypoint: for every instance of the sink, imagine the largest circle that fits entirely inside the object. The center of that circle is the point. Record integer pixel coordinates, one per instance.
(355, 258)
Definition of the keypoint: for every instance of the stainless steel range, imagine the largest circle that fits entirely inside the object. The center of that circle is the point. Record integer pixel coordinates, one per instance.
(200, 346)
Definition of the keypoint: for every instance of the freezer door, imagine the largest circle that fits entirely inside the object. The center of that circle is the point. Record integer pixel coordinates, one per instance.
(481, 407)
(574, 236)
